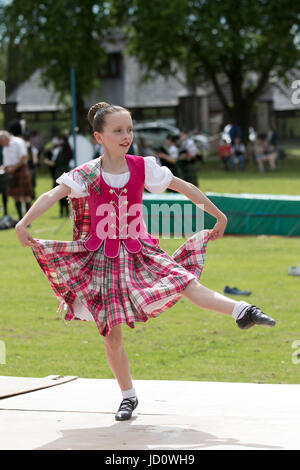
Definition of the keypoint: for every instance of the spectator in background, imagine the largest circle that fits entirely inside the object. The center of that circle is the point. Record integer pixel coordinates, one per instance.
(16, 167)
(187, 158)
(271, 150)
(238, 154)
(47, 157)
(17, 129)
(259, 152)
(270, 153)
(144, 149)
(50, 154)
(37, 141)
(265, 153)
(225, 154)
(3, 183)
(61, 157)
(272, 137)
(155, 151)
(235, 131)
(33, 161)
(133, 149)
(20, 129)
(169, 154)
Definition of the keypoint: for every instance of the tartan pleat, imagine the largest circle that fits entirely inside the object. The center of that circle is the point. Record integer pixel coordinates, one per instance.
(19, 183)
(127, 289)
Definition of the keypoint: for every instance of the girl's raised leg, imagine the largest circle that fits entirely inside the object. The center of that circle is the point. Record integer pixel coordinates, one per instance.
(246, 315)
(208, 299)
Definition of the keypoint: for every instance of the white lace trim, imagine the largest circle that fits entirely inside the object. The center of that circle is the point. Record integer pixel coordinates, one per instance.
(81, 311)
(77, 189)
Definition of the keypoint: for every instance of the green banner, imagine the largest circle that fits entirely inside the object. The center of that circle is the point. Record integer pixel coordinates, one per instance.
(252, 214)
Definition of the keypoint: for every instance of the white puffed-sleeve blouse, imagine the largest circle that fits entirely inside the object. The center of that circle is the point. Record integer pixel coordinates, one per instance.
(157, 179)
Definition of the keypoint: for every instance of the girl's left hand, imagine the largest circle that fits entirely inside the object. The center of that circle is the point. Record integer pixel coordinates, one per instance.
(219, 229)
(24, 236)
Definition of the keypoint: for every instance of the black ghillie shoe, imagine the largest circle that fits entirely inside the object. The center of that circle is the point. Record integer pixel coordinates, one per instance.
(126, 408)
(254, 316)
(235, 291)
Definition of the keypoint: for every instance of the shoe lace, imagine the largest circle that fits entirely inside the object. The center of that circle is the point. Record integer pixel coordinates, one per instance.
(253, 308)
(126, 405)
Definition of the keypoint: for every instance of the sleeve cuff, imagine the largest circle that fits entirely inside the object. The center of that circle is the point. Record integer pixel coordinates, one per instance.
(161, 185)
(77, 190)
(157, 177)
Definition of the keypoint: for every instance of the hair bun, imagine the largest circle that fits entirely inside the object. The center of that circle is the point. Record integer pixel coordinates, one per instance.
(93, 110)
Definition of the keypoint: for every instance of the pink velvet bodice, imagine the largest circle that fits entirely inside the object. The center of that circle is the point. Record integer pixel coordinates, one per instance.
(117, 213)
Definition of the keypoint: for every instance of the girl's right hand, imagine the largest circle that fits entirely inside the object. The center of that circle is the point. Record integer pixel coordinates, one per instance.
(24, 236)
(219, 228)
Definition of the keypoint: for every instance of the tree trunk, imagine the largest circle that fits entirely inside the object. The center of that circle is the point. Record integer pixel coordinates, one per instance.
(12, 81)
(241, 115)
(243, 118)
(245, 114)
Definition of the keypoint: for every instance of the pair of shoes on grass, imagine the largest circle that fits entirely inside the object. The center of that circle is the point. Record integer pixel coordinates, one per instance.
(235, 291)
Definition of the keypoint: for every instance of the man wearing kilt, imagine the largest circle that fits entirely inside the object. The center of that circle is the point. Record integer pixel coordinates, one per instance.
(187, 159)
(19, 185)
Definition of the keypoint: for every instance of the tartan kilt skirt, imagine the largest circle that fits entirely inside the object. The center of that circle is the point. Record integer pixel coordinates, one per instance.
(19, 184)
(127, 289)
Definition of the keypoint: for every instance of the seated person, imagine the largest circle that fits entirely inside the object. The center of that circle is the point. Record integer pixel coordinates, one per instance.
(259, 152)
(225, 154)
(238, 154)
(265, 153)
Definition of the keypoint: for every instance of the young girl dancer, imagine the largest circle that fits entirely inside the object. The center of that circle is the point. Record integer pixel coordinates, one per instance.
(113, 271)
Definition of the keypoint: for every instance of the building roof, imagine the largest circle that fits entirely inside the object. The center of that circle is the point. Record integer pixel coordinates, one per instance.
(131, 91)
(155, 92)
(282, 96)
(32, 96)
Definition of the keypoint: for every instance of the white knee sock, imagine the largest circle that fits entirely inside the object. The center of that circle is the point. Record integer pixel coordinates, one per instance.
(240, 310)
(129, 394)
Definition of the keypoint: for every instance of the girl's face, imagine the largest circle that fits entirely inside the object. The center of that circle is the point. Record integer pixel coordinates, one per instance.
(117, 134)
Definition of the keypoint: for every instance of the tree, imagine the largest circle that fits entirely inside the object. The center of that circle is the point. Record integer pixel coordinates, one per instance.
(244, 43)
(56, 36)
(15, 60)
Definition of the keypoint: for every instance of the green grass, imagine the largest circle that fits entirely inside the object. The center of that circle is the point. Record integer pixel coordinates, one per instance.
(285, 179)
(185, 342)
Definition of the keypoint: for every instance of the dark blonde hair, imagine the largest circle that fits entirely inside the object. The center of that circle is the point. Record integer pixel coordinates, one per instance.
(97, 113)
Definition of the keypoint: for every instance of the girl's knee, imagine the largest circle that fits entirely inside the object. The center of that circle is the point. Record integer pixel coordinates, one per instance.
(114, 340)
